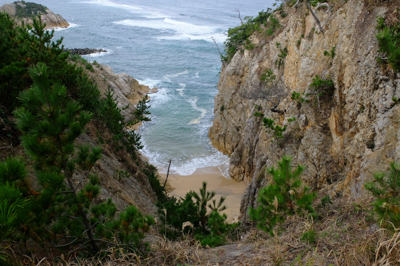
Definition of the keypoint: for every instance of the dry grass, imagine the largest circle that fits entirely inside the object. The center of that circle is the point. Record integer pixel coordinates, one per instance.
(346, 234)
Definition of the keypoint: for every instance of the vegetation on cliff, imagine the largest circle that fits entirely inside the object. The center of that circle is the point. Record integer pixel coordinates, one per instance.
(28, 9)
(47, 102)
(53, 101)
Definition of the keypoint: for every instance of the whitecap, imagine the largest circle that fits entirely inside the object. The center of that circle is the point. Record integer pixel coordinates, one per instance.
(131, 8)
(193, 102)
(71, 25)
(183, 30)
(168, 77)
(219, 38)
(180, 91)
(160, 97)
(215, 160)
(149, 82)
(90, 56)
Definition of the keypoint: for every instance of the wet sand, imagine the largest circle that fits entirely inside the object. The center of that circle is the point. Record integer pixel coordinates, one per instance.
(178, 186)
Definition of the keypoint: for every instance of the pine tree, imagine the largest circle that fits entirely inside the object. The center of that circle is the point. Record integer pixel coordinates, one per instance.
(50, 123)
(285, 196)
(389, 43)
(65, 213)
(386, 190)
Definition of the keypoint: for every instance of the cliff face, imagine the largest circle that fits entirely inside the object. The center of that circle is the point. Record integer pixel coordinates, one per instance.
(52, 20)
(343, 140)
(134, 189)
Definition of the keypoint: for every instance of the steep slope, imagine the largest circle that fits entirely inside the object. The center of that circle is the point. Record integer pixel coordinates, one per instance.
(343, 138)
(25, 11)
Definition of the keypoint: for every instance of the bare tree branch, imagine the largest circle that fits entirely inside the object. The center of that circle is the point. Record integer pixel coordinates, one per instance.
(217, 47)
(315, 17)
(238, 11)
(296, 4)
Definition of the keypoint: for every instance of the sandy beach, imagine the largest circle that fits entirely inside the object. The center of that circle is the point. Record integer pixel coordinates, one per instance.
(180, 185)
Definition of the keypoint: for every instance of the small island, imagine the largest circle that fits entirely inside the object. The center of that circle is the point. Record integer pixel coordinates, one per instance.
(25, 12)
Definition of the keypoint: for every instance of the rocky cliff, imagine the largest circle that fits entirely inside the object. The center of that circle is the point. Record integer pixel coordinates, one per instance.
(25, 12)
(341, 139)
(134, 187)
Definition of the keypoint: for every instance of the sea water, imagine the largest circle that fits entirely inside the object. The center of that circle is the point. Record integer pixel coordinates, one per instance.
(165, 44)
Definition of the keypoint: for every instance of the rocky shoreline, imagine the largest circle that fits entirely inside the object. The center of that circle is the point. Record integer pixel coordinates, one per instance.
(85, 51)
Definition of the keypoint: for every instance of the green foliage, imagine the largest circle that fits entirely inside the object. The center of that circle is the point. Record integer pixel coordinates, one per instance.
(258, 107)
(277, 130)
(51, 122)
(89, 67)
(325, 201)
(222, 108)
(389, 42)
(331, 53)
(284, 196)
(248, 45)
(268, 76)
(292, 119)
(120, 174)
(296, 96)
(258, 114)
(299, 40)
(320, 88)
(281, 57)
(29, 9)
(200, 212)
(239, 36)
(309, 237)
(386, 189)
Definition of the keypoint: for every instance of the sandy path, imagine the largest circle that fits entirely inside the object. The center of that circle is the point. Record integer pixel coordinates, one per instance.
(216, 182)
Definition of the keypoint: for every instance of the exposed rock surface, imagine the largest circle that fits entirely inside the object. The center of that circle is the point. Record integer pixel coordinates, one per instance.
(52, 20)
(135, 189)
(342, 142)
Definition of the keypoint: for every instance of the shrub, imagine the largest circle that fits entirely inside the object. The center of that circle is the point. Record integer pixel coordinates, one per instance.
(89, 67)
(268, 76)
(285, 196)
(309, 237)
(321, 88)
(277, 130)
(239, 36)
(201, 213)
(50, 122)
(389, 43)
(331, 53)
(386, 189)
(281, 57)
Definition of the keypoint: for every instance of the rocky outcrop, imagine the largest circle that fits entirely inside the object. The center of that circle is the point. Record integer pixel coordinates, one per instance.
(84, 51)
(134, 189)
(342, 141)
(52, 20)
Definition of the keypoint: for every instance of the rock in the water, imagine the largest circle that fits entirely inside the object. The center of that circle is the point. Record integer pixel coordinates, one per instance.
(85, 51)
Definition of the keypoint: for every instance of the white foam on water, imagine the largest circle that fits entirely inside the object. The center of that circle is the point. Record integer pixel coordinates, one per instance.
(130, 8)
(193, 102)
(215, 159)
(180, 91)
(90, 56)
(184, 30)
(168, 77)
(160, 97)
(149, 82)
(71, 25)
(219, 38)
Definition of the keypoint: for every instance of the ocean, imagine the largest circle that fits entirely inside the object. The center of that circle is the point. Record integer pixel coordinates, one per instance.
(168, 45)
